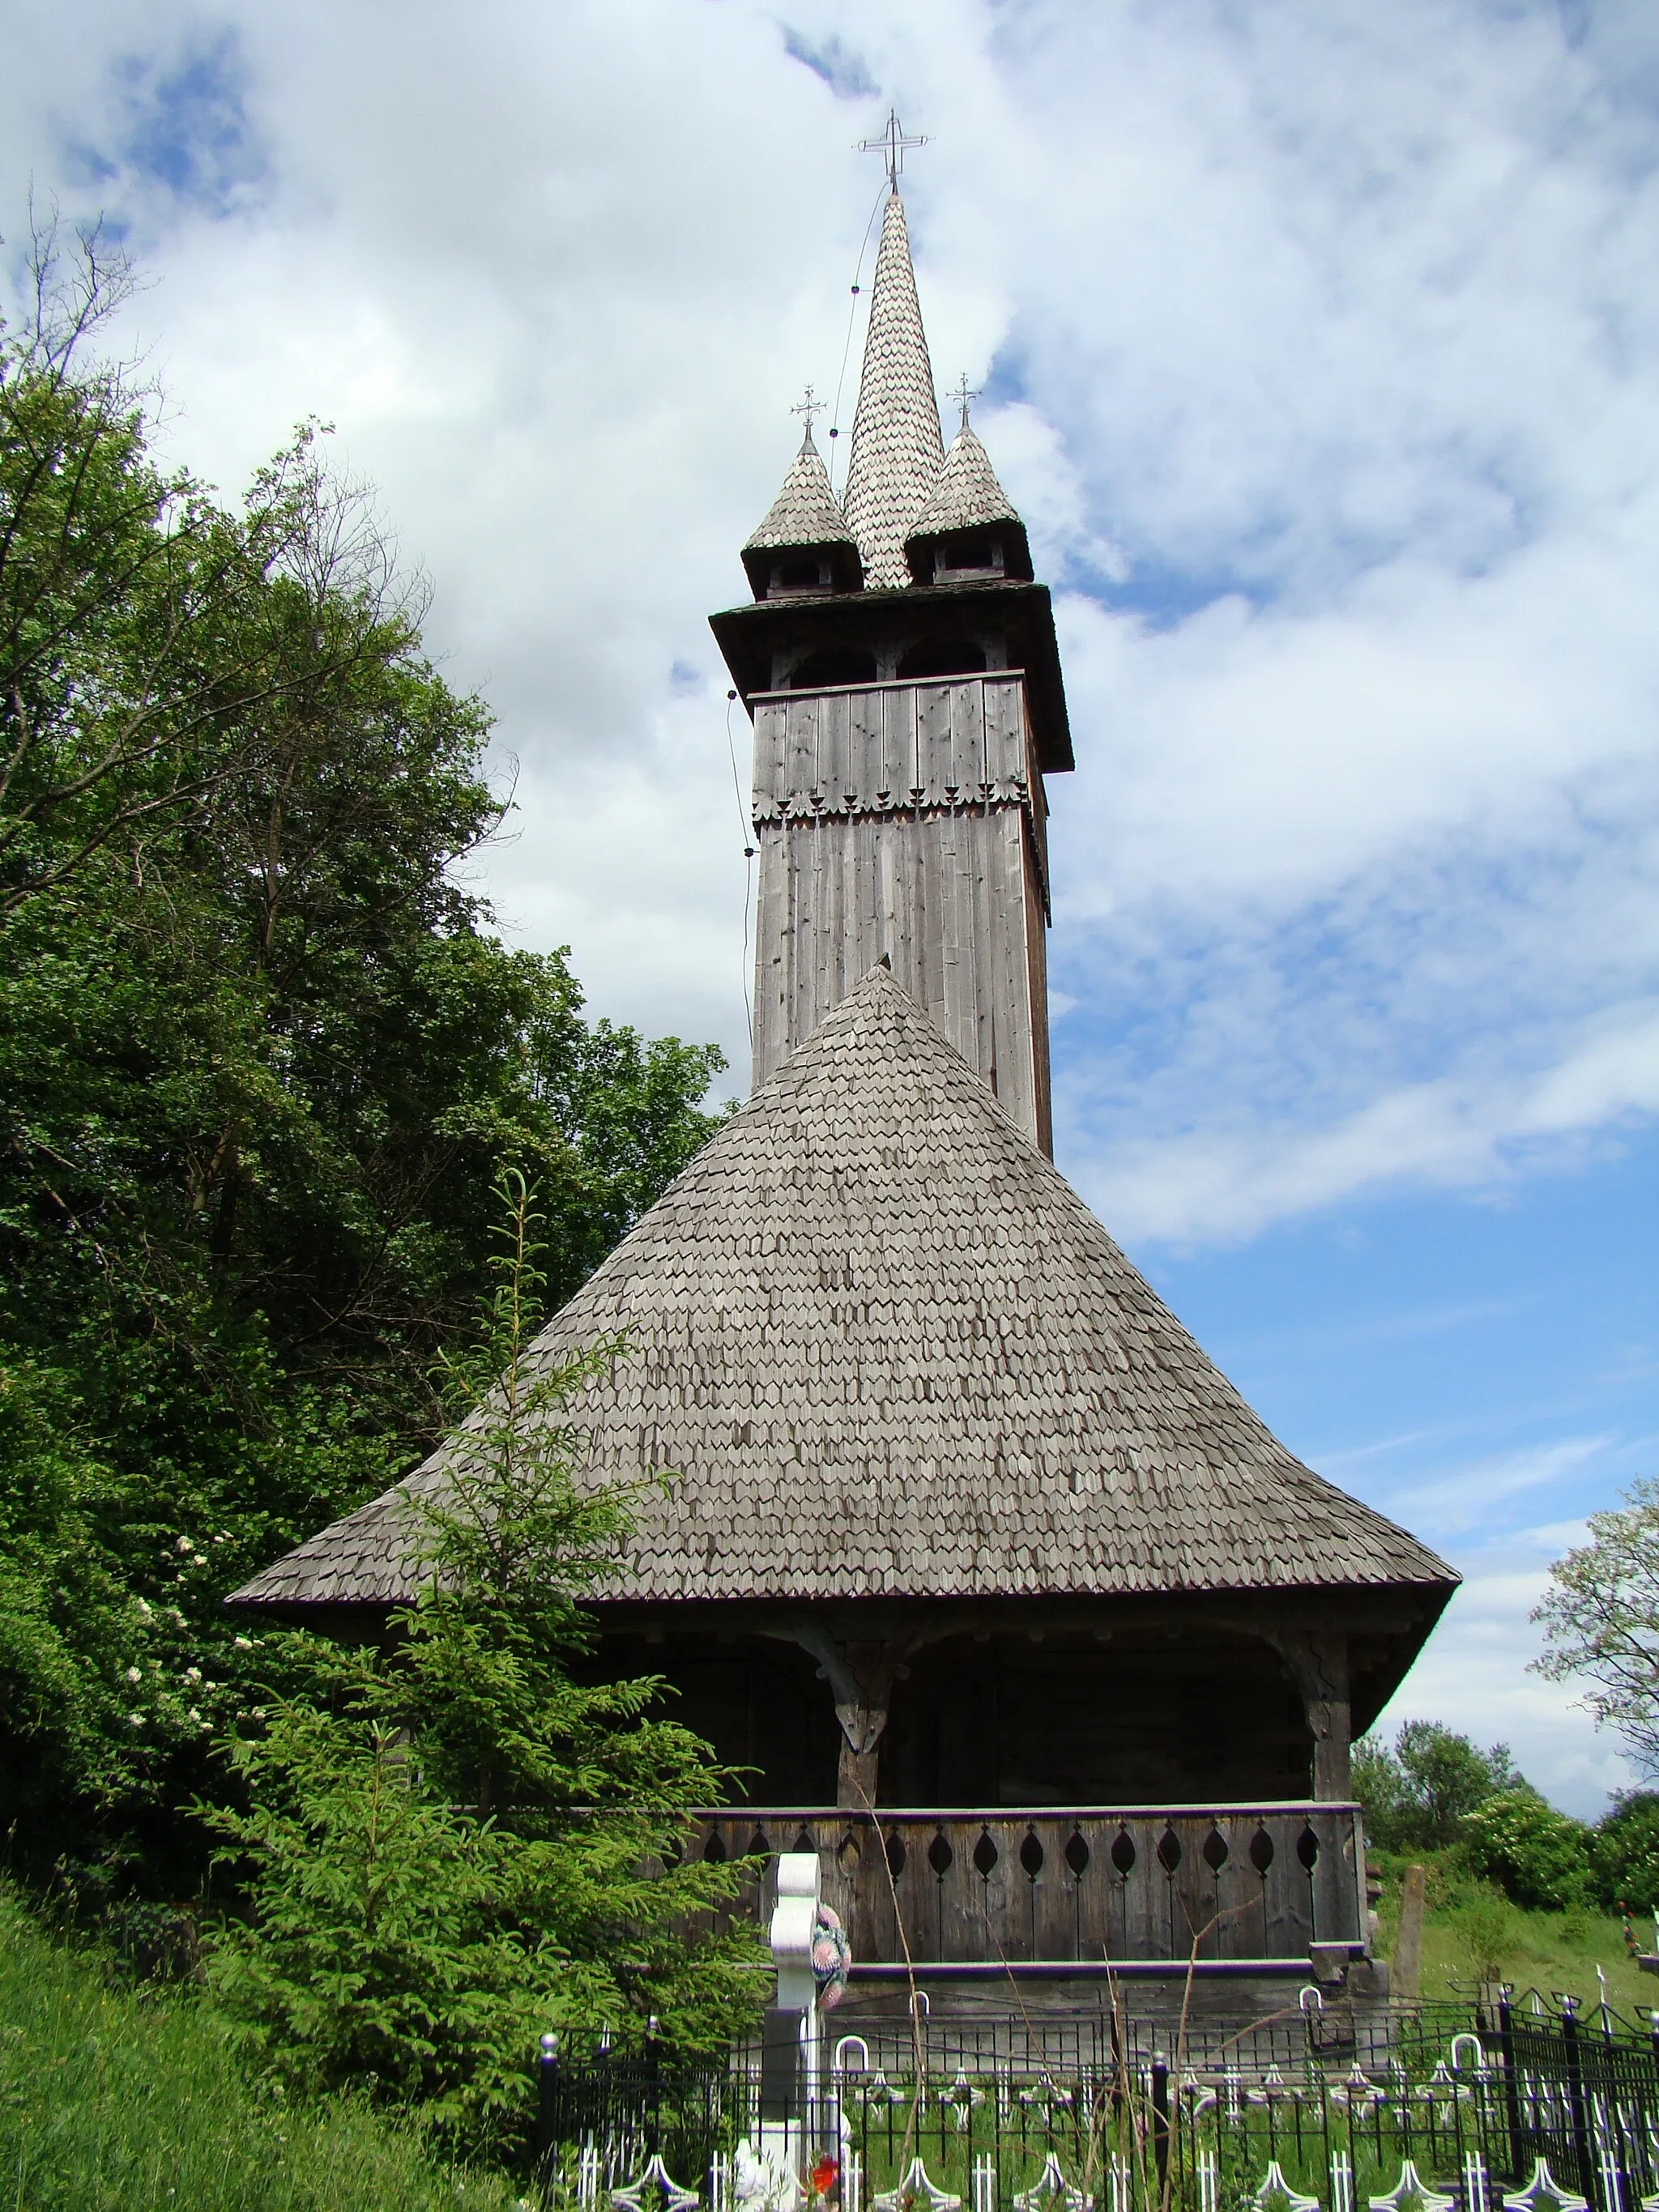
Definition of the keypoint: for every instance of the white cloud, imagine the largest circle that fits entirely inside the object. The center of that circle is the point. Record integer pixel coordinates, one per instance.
(1475, 1675)
(1457, 1499)
(1473, 1126)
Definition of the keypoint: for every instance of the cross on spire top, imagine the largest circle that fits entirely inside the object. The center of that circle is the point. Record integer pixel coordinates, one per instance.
(894, 144)
(961, 393)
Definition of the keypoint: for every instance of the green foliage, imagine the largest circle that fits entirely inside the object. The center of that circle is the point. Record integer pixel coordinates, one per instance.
(1601, 1622)
(103, 1704)
(262, 1058)
(455, 1843)
(1627, 1853)
(111, 2098)
(1417, 1794)
(1536, 1856)
(1483, 1931)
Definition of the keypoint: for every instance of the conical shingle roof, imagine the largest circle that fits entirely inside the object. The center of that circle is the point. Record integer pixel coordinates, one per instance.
(966, 492)
(897, 449)
(890, 1352)
(966, 495)
(804, 512)
(803, 519)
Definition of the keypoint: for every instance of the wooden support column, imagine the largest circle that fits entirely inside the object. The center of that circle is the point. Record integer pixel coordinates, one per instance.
(856, 1774)
(1318, 1659)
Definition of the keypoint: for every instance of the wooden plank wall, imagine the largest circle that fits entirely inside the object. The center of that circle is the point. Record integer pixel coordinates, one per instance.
(907, 820)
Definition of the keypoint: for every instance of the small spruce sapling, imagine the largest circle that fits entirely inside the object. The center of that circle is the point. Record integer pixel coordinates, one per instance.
(453, 1841)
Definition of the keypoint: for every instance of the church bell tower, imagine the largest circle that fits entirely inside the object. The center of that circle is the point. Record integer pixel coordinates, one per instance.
(900, 667)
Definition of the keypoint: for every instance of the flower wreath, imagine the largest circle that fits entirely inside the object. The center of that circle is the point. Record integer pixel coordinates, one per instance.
(832, 1956)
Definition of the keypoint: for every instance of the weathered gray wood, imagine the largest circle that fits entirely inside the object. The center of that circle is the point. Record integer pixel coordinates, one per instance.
(904, 822)
(771, 780)
(974, 1913)
(1095, 1927)
(1335, 1877)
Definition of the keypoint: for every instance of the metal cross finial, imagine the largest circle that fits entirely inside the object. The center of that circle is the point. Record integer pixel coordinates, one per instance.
(894, 144)
(807, 408)
(963, 395)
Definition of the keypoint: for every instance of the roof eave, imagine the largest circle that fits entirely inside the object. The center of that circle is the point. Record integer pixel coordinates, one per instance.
(1396, 1618)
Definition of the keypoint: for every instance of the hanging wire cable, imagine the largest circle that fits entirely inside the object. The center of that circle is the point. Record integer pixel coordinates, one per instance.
(845, 351)
(747, 829)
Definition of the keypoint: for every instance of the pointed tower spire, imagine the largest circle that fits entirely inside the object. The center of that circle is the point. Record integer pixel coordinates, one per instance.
(897, 449)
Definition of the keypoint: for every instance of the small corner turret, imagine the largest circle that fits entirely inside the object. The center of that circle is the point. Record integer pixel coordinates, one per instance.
(969, 531)
(804, 548)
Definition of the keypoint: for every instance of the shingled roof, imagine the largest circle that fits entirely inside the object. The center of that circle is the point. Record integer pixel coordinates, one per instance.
(967, 497)
(803, 518)
(965, 491)
(804, 512)
(897, 449)
(890, 1352)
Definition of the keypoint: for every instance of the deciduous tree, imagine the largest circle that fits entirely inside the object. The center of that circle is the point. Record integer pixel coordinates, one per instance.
(1601, 1621)
(262, 1058)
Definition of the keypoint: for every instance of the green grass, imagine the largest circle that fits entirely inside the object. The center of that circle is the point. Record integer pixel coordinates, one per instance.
(1551, 1951)
(114, 2100)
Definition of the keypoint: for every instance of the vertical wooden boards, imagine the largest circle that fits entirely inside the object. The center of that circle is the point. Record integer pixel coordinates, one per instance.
(771, 779)
(901, 821)
(833, 775)
(1037, 986)
(866, 724)
(801, 746)
(774, 952)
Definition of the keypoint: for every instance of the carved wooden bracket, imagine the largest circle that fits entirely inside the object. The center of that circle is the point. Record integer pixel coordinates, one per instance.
(861, 1676)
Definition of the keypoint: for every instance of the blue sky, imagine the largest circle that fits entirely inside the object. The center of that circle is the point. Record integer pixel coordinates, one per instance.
(1319, 349)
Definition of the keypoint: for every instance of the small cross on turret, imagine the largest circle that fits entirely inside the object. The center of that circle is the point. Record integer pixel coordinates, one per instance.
(894, 144)
(962, 396)
(806, 408)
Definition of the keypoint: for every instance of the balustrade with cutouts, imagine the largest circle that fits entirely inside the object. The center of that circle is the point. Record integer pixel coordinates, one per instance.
(1230, 1884)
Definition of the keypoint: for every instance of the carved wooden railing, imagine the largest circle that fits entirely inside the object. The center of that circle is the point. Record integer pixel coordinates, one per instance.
(1133, 1886)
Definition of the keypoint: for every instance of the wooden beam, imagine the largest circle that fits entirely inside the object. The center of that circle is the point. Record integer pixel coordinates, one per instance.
(1318, 1660)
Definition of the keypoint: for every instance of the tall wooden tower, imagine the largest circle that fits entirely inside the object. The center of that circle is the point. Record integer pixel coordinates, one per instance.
(901, 669)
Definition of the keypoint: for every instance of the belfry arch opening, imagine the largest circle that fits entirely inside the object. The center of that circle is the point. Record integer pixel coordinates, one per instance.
(821, 672)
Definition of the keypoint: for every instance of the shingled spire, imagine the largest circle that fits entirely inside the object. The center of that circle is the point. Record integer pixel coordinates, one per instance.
(897, 449)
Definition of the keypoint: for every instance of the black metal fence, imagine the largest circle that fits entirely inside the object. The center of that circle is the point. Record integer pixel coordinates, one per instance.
(1108, 2114)
(604, 2116)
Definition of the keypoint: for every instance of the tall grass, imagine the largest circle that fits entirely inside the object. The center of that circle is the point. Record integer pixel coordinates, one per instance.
(114, 2100)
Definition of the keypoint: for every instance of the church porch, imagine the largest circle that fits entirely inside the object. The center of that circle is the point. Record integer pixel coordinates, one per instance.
(1029, 1799)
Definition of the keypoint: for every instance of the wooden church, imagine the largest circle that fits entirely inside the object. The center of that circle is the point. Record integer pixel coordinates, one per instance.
(1017, 1612)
